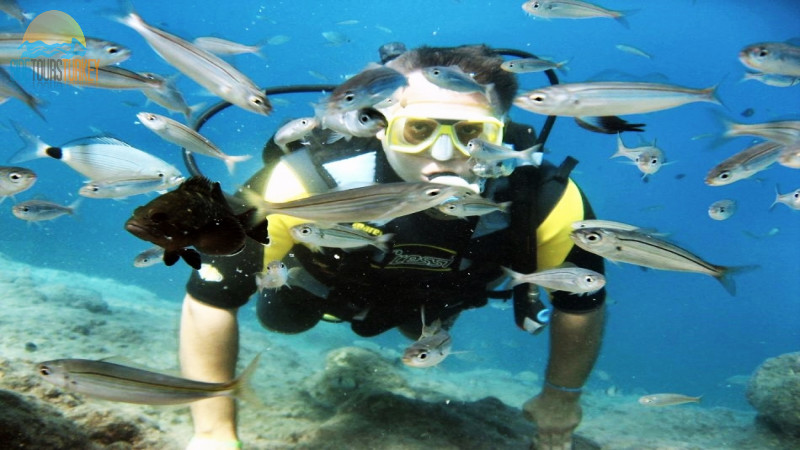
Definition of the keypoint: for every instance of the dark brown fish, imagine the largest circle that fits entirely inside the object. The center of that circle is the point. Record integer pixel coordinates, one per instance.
(194, 215)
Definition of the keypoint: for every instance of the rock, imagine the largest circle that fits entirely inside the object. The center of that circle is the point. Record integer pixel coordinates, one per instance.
(774, 391)
(80, 298)
(28, 424)
(354, 371)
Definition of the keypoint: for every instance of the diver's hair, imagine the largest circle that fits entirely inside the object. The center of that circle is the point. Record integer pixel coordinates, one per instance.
(478, 60)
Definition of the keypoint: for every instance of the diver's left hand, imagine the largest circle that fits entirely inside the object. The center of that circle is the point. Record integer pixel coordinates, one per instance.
(556, 414)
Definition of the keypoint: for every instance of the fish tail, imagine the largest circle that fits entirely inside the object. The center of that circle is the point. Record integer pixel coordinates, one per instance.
(710, 94)
(34, 147)
(382, 242)
(777, 196)
(34, 103)
(230, 161)
(126, 15)
(241, 385)
(725, 276)
(515, 277)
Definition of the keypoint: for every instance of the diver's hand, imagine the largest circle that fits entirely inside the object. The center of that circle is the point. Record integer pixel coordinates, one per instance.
(556, 414)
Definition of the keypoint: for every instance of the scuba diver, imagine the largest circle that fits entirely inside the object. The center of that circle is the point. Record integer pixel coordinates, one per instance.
(433, 262)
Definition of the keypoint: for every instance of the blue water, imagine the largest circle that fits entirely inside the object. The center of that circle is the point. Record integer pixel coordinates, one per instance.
(666, 331)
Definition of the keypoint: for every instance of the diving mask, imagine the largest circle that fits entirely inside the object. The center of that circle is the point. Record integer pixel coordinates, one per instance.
(412, 131)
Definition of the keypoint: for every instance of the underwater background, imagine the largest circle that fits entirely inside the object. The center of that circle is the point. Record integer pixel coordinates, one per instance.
(666, 331)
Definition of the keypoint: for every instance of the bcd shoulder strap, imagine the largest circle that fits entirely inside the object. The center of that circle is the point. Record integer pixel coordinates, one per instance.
(534, 193)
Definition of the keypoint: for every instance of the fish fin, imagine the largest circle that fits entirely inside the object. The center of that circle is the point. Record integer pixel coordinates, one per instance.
(170, 257)
(515, 277)
(382, 242)
(34, 147)
(241, 385)
(191, 257)
(726, 274)
(335, 136)
(230, 161)
(621, 17)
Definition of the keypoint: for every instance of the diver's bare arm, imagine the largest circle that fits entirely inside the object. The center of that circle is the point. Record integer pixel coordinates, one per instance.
(209, 346)
(574, 346)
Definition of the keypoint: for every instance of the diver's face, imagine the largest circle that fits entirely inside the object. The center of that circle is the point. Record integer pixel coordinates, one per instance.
(440, 158)
(428, 138)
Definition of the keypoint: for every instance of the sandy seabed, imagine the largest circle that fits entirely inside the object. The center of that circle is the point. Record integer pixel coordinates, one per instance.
(316, 394)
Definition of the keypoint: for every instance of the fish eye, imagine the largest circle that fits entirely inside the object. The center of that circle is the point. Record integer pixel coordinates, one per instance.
(654, 161)
(14, 176)
(796, 194)
(589, 279)
(450, 206)
(762, 52)
(256, 101)
(433, 192)
(305, 230)
(593, 237)
(364, 118)
(538, 98)
(536, 5)
(349, 96)
(724, 175)
(423, 356)
(44, 371)
(112, 50)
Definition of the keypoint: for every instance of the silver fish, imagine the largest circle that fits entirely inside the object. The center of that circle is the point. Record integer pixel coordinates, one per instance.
(110, 77)
(432, 347)
(295, 130)
(9, 88)
(372, 85)
(772, 57)
(338, 236)
(150, 257)
(773, 79)
(205, 68)
(97, 158)
(648, 158)
(335, 38)
(179, 134)
(531, 65)
(722, 209)
(570, 279)
(783, 131)
(120, 383)
(39, 210)
(790, 157)
(610, 98)
(632, 50)
(643, 249)
(275, 276)
(220, 46)
(571, 9)
(168, 96)
(12, 8)
(790, 199)
(127, 187)
(744, 164)
(484, 151)
(363, 204)
(472, 206)
(104, 52)
(356, 123)
(14, 180)
(667, 399)
(452, 78)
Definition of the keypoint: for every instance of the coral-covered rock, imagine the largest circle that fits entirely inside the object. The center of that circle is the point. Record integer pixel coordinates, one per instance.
(774, 391)
(29, 424)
